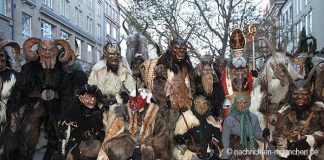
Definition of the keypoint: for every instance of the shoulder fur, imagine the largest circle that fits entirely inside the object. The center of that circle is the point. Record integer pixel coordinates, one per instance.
(181, 126)
(100, 65)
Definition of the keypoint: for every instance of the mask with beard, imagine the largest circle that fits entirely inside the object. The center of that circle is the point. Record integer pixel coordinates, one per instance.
(201, 107)
(112, 53)
(239, 62)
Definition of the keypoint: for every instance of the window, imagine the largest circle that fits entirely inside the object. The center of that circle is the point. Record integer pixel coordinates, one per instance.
(65, 35)
(89, 24)
(99, 9)
(98, 55)
(99, 30)
(78, 16)
(113, 32)
(110, 11)
(78, 48)
(297, 7)
(47, 3)
(26, 25)
(297, 32)
(310, 22)
(113, 14)
(106, 8)
(89, 53)
(116, 16)
(64, 8)
(46, 30)
(107, 28)
(2, 7)
(5, 7)
(290, 12)
(90, 4)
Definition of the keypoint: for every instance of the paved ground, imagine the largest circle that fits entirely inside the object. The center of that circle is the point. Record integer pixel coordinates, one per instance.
(41, 146)
(39, 154)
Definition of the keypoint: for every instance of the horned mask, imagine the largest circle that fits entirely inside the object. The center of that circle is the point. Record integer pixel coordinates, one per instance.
(178, 45)
(112, 52)
(137, 51)
(4, 57)
(48, 51)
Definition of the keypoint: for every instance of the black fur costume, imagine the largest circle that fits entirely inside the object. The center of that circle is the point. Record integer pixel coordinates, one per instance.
(34, 111)
(80, 124)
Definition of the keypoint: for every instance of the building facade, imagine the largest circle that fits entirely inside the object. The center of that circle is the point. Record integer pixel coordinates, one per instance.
(82, 22)
(298, 14)
(6, 19)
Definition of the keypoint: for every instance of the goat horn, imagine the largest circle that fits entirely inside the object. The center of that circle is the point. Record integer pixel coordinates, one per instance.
(314, 45)
(312, 72)
(190, 32)
(290, 79)
(126, 30)
(146, 26)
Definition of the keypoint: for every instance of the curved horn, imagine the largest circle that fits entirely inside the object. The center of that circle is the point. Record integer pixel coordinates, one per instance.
(170, 39)
(190, 32)
(28, 44)
(146, 25)
(158, 49)
(283, 45)
(68, 52)
(270, 46)
(120, 42)
(290, 79)
(105, 46)
(12, 44)
(126, 30)
(312, 72)
(314, 45)
(173, 32)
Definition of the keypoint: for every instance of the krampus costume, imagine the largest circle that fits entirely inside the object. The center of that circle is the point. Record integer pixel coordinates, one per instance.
(40, 93)
(114, 78)
(173, 84)
(208, 84)
(301, 124)
(80, 127)
(241, 126)
(8, 78)
(237, 77)
(146, 126)
(304, 59)
(197, 133)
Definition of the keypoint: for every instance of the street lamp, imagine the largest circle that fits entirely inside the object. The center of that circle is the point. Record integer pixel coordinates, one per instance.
(252, 32)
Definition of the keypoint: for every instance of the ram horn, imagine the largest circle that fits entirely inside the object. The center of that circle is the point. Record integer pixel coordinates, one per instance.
(12, 44)
(28, 44)
(68, 52)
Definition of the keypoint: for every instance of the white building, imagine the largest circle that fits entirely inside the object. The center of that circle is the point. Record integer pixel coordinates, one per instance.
(296, 14)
